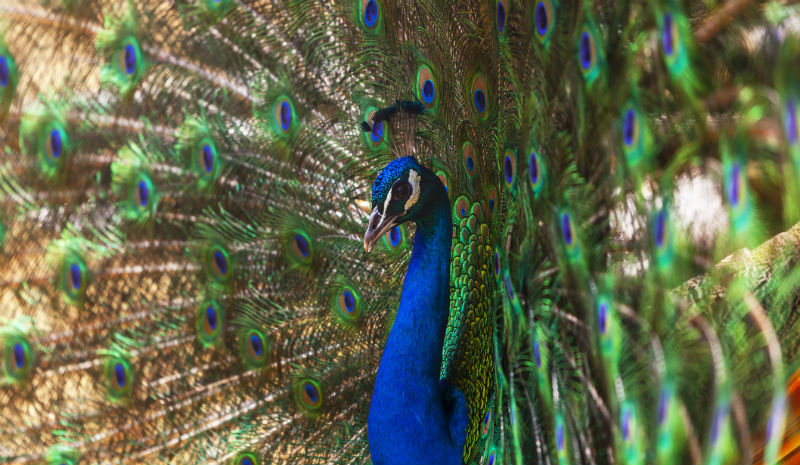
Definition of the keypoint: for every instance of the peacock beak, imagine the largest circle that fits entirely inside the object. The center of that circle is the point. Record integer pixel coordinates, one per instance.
(378, 226)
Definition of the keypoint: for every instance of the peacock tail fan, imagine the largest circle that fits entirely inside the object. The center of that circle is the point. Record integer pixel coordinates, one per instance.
(184, 189)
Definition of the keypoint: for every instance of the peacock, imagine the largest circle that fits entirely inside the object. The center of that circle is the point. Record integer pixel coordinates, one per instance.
(261, 232)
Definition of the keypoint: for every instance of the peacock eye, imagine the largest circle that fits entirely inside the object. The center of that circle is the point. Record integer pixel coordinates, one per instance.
(401, 191)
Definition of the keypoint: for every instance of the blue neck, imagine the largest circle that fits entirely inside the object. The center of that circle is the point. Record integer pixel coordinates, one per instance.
(418, 330)
(407, 420)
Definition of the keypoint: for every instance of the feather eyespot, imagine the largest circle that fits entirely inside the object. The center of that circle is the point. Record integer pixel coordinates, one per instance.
(487, 419)
(543, 19)
(790, 121)
(586, 51)
(310, 395)
(626, 424)
(370, 14)
(735, 184)
(209, 325)
(663, 405)
(560, 433)
(492, 202)
(669, 32)
(566, 229)
(142, 194)
(54, 143)
(245, 458)
(254, 349)
(630, 129)
(468, 155)
(210, 321)
(509, 167)
(536, 173)
(19, 357)
(5, 73)
(480, 96)
(207, 157)
(395, 239)
(74, 278)
(119, 379)
(602, 317)
(284, 115)
(301, 245)
(443, 177)
(496, 262)
(461, 208)
(218, 264)
(427, 90)
(500, 12)
(659, 229)
(129, 59)
(376, 134)
(347, 304)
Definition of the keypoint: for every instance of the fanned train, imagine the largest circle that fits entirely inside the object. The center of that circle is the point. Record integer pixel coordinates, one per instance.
(381, 232)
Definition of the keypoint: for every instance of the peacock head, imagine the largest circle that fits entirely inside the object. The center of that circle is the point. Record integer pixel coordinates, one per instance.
(403, 191)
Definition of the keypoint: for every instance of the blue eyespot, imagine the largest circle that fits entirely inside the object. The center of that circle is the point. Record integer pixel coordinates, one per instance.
(286, 116)
(501, 16)
(395, 236)
(658, 234)
(371, 14)
(311, 391)
(719, 416)
(496, 263)
(246, 461)
(586, 50)
(491, 459)
(509, 288)
(5, 75)
(221, 262)
(560, 435)
(428, 91)
(302, 245)
(75, 276)
(790, 121)
(663, 403)
(349, 301)
(626, 424)
(19, 355)
(256, 345)
(119, 375)
(566, 228)
(56, 143)
(533, 168)
(211, 318)
(377, 131)
(508, 167)
(602, 315)
(537, 353)
(629, 127)
(130, 59)
(208, 158)
(542, 18)
(144, 193)
(667, 40)
(480, 100)
(491, 205)
(733, 185)
(470, 164)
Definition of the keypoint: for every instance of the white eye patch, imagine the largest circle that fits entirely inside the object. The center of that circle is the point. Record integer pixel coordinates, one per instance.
(413, 178)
